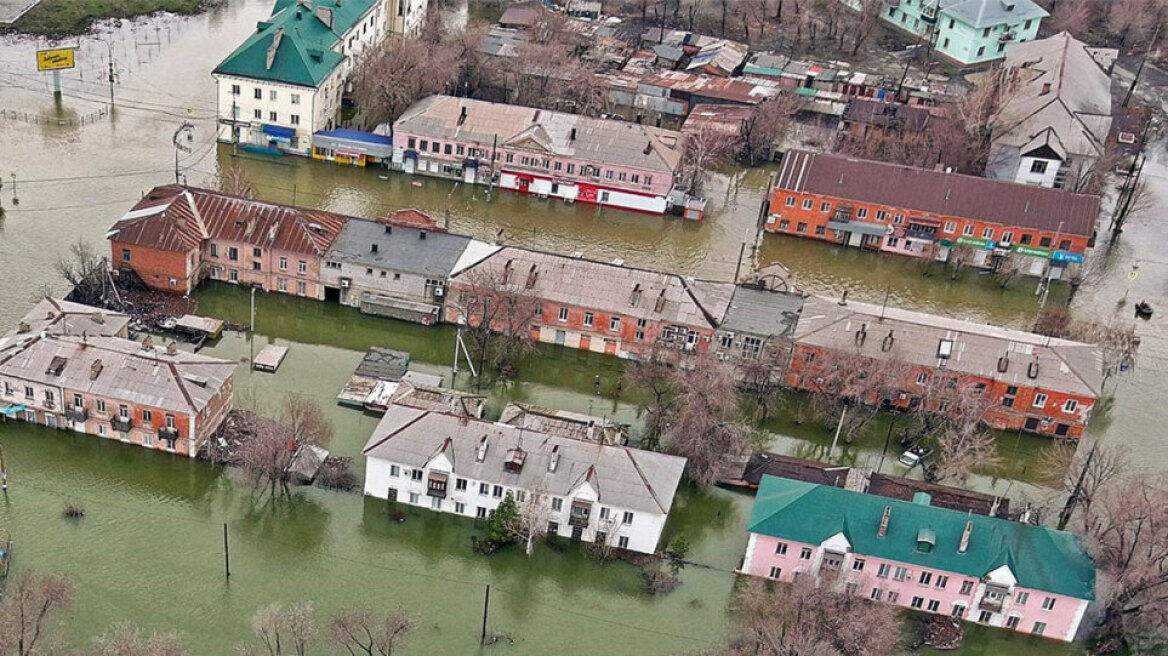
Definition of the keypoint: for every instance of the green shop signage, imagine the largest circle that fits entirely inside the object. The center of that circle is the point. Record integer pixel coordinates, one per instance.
(1030, 250)
(984, 244)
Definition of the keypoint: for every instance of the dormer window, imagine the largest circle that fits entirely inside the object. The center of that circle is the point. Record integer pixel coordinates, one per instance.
(926, 540)
(514, 462)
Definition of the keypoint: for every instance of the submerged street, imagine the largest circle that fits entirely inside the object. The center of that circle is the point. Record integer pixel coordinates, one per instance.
(150, 546)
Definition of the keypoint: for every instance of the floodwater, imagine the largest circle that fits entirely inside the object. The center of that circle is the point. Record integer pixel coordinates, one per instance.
(149, 549)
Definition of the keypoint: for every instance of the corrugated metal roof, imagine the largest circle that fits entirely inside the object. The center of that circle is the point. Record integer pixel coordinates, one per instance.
(937, 192)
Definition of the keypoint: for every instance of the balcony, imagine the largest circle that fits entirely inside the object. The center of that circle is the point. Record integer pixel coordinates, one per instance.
(436, 486)
(580, 514)
(123, 424)
(168, 433)
(993, 598)
(77, 414)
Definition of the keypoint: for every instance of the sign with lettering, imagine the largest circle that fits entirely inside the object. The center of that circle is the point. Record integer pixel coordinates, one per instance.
(1064, 256)
(1031, 250)
(56, 59)
(986, 244)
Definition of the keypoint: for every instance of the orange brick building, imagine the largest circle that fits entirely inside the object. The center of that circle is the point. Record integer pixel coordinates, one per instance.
(923, 213)
(176, 236)
(1023, 381)
(593, 306)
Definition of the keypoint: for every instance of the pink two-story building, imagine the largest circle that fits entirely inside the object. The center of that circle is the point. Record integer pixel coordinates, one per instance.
(909, 553)
(540, 152)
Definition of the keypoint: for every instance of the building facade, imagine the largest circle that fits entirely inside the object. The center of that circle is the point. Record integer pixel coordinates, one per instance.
(80, 373)
(540, 152)
(286, 81)
(593, 306)
(911, 554)
(967, 32)
(1016, 380)
(406, 17)
(175, 237)
(581, 490)
(932, 214)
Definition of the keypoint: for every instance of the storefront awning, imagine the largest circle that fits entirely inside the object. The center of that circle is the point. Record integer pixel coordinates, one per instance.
(470, 163)
(354, 142)
(279, 133)
(858, 227)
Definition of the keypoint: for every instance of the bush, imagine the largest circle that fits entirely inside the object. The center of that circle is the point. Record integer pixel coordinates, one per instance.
(337, 474)
(656, 580)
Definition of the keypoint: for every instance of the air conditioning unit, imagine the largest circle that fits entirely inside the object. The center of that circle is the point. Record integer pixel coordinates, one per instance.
(346, 283)
(439, 291)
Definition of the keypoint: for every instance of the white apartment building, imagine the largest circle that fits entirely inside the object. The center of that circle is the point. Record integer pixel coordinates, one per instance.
(285, 82)
(406, 17)
(585, 491)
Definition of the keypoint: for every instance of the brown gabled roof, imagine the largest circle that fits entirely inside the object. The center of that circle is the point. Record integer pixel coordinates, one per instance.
(810, 471)
(942, 496)
(179, 218)
(939, 193)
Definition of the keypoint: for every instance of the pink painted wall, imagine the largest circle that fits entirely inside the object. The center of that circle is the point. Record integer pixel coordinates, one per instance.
(1061, 621)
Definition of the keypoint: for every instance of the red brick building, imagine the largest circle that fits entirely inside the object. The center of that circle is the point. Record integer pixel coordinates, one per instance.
(1023, 381)
(925, 213)
(176, 236)
(593, 306)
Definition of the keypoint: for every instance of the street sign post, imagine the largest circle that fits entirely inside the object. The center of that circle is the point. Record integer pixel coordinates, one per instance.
(56, 60)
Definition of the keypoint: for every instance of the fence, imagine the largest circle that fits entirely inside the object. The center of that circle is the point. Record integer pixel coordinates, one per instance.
(37, 119)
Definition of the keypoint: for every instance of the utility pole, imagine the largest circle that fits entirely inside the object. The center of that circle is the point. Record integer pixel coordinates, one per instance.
(226, 553)
(189, 129)
(838, 428)
(486, 609)
(1144, 60)
(1046, 276)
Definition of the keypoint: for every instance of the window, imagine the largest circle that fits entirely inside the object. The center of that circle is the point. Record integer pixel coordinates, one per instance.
(1026, 25)
(1070, 406)
(808, 203)
(881, 215)
(781, 549)
(255, 266)
(434, 146)
(414, 498)
(258, 93)
(214, 250)
(918, 602)
(805, 553)
(125, 255)
(893, 242)
(987, 233)
(608, 174)
(862, 213)
(147, 439)
(984, 616)
(294, 119)
(966, 587)
(101, 406)
(235, 89)
(1007, 237)
(820, 231)
(981, 51)
(850, 587)
(1065, 245)
(587, 319)
(1012, 621)
(147, 417)
(302, 267)
(958, 611)
(394, 470)
(784, 225)
(926, 578)
(273, 117)
(876, 594)
(448, 149)
(893, 596)
(858, 565)
(933, 606)
(416, 475)
(232, 253)
(1048, 603)
(623, 542)
(1038, 166)
(557, 504)
(802, 227)
(1040, 400)
(480, 512)
(790, 201)
(497, 491)
(603, 513)
(775, 572)
(922, 378)
(825, 207)
(123, 411)
(1039, 628)
(295, 99)
(1026, 239)
(1044, 242)
(614, 324)
(1021, 598)
(950, 226)
(460, 484)
(942, 581)
(563, 314)
(627, 518)
(882, 573)
(900, 574)
(282, 285)
(967, 230)
(459, 507)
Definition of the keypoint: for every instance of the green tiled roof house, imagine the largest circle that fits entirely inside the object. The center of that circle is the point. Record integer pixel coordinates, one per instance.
(910, 553)
(967, 32)
(286, 80)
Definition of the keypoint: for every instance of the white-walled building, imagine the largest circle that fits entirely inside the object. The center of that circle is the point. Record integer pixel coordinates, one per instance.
(406, 16)
(285, 82)
(586, 491)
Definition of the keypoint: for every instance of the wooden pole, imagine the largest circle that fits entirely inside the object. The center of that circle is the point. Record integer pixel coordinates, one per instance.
(226, 553)
(486, 607)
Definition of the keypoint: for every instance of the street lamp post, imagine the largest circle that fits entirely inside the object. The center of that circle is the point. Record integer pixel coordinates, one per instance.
(189, 129)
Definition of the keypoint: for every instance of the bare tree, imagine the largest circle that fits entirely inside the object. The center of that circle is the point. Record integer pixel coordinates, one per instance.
(1128, 532)
(236, 181)
(529, 524)
(866, 23)
(963, 449)
(703, 425)
(29, 613)
(306, 421)
(760, 377)
(1080, 475)
(498, 309)
(1130, 20)
(1118, 340)
(800, 619)
(706, 149)
(267, 454)
(769, 123)
(654, 376)
(86, 271)
(360, 630)
(847, 388)
(282, 631)
(1072, 16)
(124, 639)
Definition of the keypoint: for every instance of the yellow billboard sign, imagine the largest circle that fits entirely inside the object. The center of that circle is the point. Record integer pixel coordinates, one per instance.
(56, 59)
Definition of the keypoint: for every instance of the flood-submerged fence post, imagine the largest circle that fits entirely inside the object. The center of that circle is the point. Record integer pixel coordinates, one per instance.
(486, 608)
(226, 553)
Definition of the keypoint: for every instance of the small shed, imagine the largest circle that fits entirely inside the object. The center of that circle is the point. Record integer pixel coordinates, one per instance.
(270, 358)
(200, 326)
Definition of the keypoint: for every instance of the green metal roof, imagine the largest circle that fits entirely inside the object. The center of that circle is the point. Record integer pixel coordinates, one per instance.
(1040, 558)
(304, 55)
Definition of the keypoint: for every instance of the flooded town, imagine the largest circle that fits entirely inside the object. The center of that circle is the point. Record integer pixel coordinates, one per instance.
(567, 326)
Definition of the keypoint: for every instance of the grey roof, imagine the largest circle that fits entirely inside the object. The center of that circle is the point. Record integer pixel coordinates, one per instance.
(59, 317)
(1064, 366)
(627, 478)
(146, 376)
(502, 42)
(543, 131)
(667, 52)
(1062, 98)
(988, 13)
(564, 423)
(399, 248)
(611, 287)
(761, 312)
(442, 399)
(383, 364)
